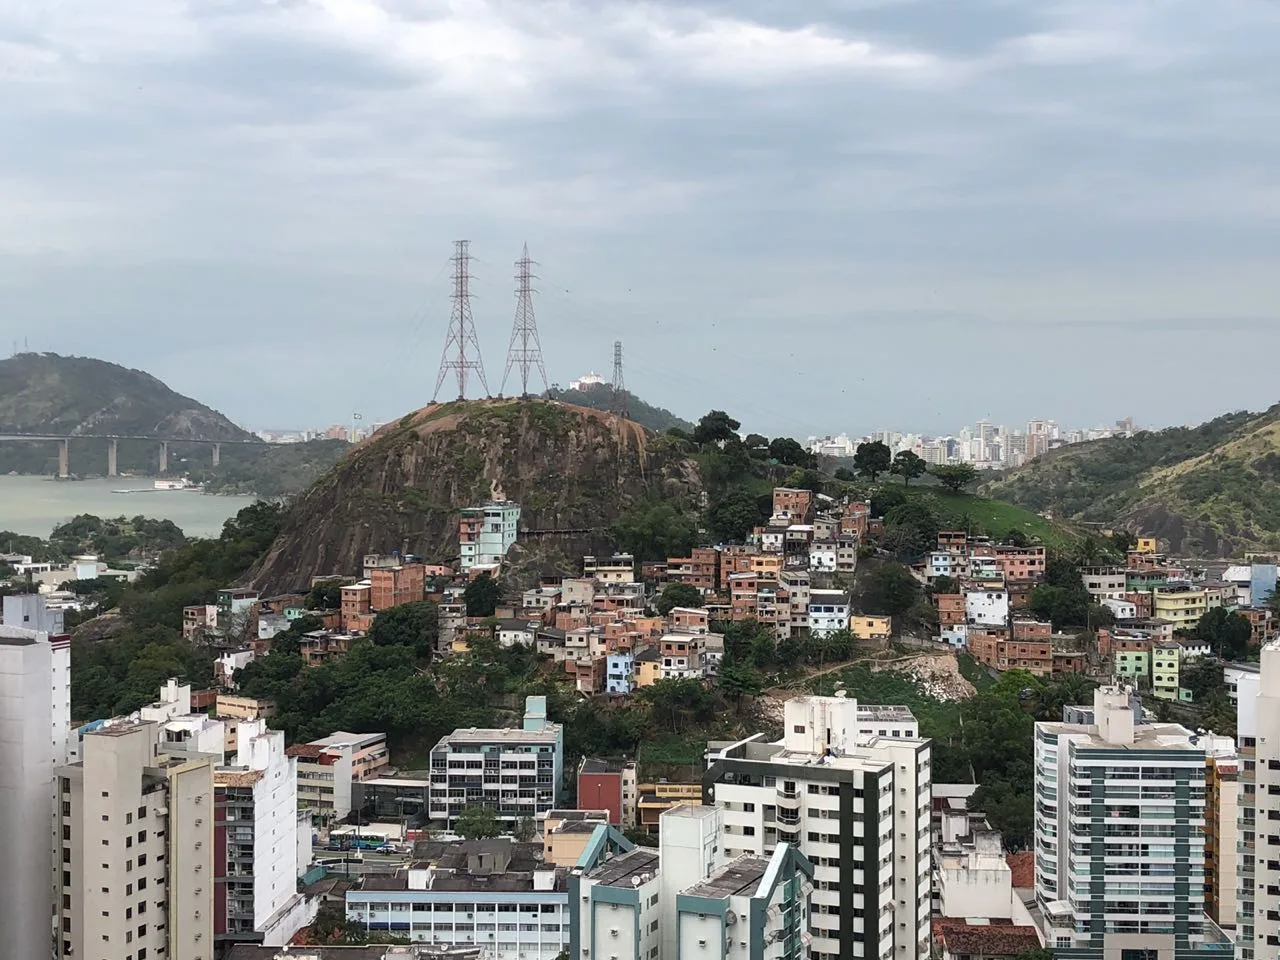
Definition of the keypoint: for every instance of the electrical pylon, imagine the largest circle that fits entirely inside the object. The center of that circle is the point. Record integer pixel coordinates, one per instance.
(618, 399)
(525, 350)
(462, 328)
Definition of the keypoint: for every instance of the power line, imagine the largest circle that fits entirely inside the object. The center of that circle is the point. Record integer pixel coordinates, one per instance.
(525, 349)
(618, 400)
(462, 328)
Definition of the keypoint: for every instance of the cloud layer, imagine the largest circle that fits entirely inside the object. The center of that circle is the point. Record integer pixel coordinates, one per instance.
(832, 215)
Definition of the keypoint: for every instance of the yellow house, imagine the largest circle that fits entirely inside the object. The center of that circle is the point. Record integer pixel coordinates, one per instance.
(657, 798)
(1166, 659)
(871, 627)
(1180, 603)
(648, 667)
(1145, 545)
(767, 565)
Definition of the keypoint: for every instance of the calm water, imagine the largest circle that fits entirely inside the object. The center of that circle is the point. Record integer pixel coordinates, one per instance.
(35, 505)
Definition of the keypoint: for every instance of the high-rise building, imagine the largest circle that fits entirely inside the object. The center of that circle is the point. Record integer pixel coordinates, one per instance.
(34, 740)
(1258, 868)
(1120, 837)
(136, 849)
(516, 772)
(256, 824)
(849, 786)
(688, 900)
(1221, 828)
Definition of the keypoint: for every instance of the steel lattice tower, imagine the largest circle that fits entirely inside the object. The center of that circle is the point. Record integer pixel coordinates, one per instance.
(462, 328)
(525, 350)
(618, 402)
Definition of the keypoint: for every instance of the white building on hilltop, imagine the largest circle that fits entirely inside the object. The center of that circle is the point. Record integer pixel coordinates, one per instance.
(586, 381)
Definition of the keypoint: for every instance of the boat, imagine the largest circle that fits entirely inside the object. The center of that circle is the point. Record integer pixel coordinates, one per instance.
(173, 484)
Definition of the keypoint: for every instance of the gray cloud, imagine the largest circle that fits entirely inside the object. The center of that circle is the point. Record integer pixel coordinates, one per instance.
(815, 214)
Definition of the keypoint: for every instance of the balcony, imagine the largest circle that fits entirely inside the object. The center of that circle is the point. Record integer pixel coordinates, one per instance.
(787, 800)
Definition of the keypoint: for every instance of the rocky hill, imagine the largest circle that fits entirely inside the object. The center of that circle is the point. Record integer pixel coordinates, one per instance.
(48, 393)
(570, 468)
(1211, 490)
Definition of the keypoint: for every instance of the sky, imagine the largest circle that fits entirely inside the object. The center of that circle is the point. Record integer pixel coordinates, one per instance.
(821, 216)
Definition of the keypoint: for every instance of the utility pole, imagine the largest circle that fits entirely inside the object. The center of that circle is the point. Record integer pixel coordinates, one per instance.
(525, 349)
(462, 328)
(618, 401)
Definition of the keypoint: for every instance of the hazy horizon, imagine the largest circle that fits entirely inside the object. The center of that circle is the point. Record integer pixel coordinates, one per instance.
(840, 216)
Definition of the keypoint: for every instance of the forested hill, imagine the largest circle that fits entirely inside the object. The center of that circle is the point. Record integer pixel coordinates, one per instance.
(599, 396)
(1211, 490)
(66, 396)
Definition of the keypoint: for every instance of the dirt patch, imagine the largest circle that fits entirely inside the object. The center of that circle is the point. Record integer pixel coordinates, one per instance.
(936, 674)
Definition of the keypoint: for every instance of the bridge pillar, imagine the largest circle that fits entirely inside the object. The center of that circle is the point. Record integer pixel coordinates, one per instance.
(164, 457)
(113, 458)
(217, 454)
(64, 459)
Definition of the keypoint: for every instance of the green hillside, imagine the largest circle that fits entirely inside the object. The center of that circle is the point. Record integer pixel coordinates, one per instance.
(1211, 490)
(600, 397)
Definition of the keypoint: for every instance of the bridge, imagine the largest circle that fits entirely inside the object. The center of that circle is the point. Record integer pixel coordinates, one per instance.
(64, 447)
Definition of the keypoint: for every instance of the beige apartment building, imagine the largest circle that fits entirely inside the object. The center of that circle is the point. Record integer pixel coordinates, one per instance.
(135, 828)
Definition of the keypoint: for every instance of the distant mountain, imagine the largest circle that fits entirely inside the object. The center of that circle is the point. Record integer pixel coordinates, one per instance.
(1211, 490)
(599, 396)
(70, 396)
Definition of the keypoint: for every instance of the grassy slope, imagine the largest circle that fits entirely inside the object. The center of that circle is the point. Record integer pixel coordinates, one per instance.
(994, 517)
(1212, 489)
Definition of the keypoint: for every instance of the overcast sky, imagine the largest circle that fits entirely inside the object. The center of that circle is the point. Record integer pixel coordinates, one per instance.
(821, 215)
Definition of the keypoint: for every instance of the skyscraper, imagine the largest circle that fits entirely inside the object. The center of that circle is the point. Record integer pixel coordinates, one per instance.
(1119, 837)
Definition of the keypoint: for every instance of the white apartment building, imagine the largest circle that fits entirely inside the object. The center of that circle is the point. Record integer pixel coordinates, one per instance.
(518, 772)
(136, 850)
(328, 766)
(1258, 737)
(1120, 837)
(856, 803)
(828, 611)
(257, 824)
(34, 740)
(687, 901)
(488, 532)
(1104, 583)
(494, 894)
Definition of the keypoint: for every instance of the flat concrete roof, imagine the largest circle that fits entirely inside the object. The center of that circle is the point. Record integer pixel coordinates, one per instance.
(739, 877)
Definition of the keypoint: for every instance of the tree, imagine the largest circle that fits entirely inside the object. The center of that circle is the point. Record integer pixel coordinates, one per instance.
(944, 584)
(732, 516)
(738, 680)
(845, 474)
(716, 427)
(872, 459)
(477, 822)
(1228, 634)
(525, 830)
(908, 466)
(788, 451)
(325, 595)
(415, 625)
(955, 476)
(482, 596)
(889, 589)
(655, 531)
(911, 528)
(677, 595)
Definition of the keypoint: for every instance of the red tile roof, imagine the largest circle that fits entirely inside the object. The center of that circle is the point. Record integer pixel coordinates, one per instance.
(1023, 866)
(990, 941)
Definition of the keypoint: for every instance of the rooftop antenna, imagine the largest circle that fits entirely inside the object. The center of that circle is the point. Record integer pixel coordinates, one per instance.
(525, 349)
(462, 328)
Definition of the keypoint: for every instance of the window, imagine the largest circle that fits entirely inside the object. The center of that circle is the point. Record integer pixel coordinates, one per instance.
(798, 728)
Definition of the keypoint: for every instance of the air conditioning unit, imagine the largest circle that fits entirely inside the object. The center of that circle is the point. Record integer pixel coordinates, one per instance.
(702, 943)
(613, 931)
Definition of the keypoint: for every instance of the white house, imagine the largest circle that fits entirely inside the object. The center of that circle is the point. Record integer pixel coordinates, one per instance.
(988, 608)
(828, 611)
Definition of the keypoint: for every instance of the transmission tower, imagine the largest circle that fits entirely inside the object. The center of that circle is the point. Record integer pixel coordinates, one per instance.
(461, 348)
(525, 349)
(618, 401)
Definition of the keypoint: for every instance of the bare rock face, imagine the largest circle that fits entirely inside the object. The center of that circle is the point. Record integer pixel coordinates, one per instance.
(574, 471)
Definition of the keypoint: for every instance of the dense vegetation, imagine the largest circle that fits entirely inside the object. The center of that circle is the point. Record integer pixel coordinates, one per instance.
(1211, 489)
(145, 645)
(600, 397)
(276, 471)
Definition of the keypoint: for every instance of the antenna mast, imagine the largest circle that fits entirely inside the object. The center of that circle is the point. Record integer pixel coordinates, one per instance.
(525, 349)
(462, 328)
(618, 402)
